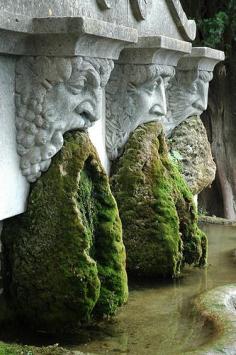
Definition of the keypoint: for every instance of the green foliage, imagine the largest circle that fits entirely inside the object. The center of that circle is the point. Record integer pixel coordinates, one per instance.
(217, 23)
(213, 29)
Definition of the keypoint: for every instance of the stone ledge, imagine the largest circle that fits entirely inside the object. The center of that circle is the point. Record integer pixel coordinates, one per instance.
(217, 220)
(63, 36)
(155, 50)
(201, 58)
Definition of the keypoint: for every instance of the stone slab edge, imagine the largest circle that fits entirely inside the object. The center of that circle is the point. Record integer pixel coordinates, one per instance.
(22, 35)
(159, 50)
(201, 58)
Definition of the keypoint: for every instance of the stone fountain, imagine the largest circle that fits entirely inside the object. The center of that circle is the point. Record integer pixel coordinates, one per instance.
(79, 78)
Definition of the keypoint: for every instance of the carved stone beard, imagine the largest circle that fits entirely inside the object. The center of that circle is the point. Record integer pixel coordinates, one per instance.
(135, 95)
(185, 92)
(118, 129)
(54, 95)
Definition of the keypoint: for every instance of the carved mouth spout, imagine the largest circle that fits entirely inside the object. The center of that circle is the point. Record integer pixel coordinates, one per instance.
(87, 110)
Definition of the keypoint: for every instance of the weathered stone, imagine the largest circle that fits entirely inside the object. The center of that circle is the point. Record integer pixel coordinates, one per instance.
(188, 90)
(189, 140)
(55, 95)
(13, 186)
(157, 211)
(135, 95)
(159, 50)
(161, 17)
(217, 307)
(64, 260)
(62, 29)
(67, 39)
(136, 90)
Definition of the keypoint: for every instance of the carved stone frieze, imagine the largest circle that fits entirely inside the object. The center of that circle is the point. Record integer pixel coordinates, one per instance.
(135, 95)
(140, 8)
(55, 95)
(104, 4)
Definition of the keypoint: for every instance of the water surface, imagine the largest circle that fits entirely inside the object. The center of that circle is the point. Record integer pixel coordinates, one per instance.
(159, 318)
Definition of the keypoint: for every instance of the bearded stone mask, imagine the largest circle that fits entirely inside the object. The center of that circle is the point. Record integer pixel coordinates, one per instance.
(55, 95)
(135, 95)
(187, 96)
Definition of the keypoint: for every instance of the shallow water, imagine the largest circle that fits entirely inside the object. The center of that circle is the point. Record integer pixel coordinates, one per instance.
(159, 319)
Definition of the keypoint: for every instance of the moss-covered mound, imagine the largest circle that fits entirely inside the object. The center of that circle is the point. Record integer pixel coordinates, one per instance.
(156, 207)
(64, 259)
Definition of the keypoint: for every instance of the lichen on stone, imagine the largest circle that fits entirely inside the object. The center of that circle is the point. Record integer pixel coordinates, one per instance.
(158, 214)
(64, 259)
(190, 140)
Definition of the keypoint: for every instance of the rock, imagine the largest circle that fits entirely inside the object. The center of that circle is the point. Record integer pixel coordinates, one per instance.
(157, 211)
(64, 259)
(190, 140)
(217, 308)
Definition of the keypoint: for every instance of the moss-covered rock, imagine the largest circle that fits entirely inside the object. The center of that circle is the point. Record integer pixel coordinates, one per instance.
(189, 140)
(64, 259)
(14, 349)
(156, 207)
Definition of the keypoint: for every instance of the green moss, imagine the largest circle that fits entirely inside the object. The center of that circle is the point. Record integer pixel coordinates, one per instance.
(65, 254)
(14, 349)
(156, 207)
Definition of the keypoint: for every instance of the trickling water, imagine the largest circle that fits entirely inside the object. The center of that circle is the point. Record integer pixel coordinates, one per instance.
(159, 319)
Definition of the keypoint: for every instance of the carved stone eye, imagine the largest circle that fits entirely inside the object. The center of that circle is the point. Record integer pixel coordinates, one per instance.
(151, 86)
(75, 89)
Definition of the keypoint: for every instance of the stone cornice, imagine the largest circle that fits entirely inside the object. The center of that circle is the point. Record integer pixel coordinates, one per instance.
(201, 58)
(63, 36)
(159, 50)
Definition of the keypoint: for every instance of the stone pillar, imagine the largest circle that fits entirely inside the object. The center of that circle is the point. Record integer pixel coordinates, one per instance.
(136, 90)
(187, 99)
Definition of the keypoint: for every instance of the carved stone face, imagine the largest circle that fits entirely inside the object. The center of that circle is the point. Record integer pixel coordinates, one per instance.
(135, 95)
(55, 95)
(149, 100)
(75, 105)
(187, 96)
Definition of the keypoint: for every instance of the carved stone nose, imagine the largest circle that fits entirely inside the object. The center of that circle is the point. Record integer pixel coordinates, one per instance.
(201, 104)
(159, 109)
(160, 106)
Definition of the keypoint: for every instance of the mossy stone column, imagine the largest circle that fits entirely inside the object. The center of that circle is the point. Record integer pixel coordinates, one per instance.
(156, 208)
(64, 259)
